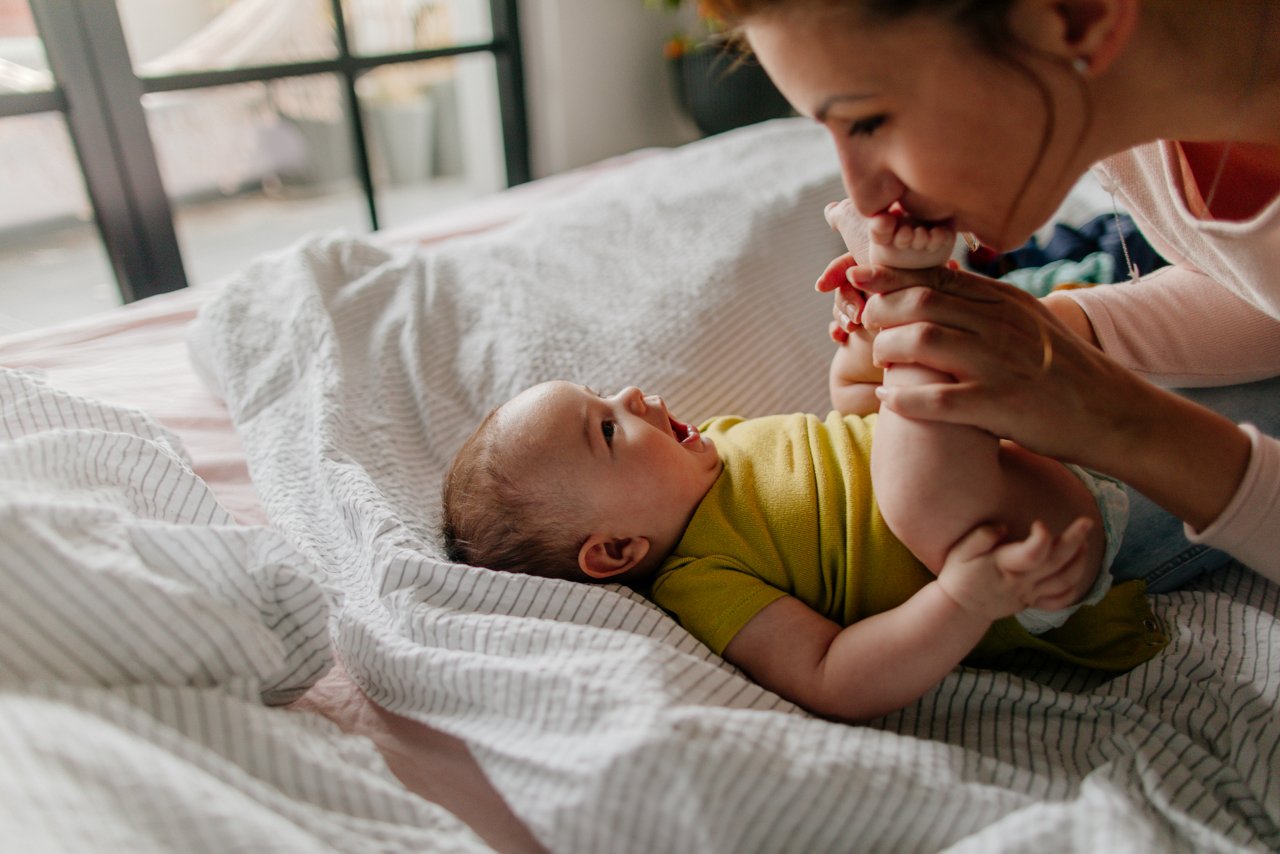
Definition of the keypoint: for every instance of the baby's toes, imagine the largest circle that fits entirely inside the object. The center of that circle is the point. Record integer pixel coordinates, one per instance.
(940, 237)
(881, 228)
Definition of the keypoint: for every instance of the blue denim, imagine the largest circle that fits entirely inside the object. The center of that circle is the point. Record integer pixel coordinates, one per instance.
(1155, 547)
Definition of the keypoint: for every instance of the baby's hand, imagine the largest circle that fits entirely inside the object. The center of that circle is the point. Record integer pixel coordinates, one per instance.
(993, 580)
(897, 240)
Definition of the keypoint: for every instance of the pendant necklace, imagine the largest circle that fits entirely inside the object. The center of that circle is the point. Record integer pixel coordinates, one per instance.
(1251, 82)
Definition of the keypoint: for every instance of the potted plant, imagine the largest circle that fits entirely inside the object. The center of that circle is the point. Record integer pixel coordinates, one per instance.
(714, 83)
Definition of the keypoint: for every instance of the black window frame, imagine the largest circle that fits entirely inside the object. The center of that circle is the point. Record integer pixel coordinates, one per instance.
(100, 97)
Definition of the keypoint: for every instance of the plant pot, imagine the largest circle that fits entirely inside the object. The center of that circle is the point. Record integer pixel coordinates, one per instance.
(405, 135)
(720, 90)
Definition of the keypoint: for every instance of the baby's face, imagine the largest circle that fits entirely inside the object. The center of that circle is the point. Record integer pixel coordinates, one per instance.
(640, 471)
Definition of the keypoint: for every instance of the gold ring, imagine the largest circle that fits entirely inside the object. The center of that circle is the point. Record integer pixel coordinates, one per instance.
(1046, 345)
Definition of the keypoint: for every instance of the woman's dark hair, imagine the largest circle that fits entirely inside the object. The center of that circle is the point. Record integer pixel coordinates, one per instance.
(984, 22)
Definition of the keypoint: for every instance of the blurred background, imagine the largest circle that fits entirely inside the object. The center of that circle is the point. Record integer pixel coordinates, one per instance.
(148, 145)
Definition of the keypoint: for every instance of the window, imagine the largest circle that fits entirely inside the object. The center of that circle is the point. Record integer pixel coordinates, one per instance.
(209, 130)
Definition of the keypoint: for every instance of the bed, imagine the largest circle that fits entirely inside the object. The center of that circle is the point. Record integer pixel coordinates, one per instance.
(228, 623)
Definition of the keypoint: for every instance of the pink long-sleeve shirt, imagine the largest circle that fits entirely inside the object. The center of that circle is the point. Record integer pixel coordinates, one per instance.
(1213, 318)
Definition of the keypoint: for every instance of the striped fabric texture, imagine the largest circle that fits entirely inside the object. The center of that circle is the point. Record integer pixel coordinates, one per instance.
(144, 638)
(354, 374)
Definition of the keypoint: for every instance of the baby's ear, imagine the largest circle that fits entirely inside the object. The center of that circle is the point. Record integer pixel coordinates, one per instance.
(603, 557)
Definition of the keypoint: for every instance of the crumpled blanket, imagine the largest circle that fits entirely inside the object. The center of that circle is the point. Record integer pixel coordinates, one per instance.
(353, 374)
(144, 638)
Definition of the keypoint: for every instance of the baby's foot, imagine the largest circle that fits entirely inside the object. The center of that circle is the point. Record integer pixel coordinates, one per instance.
(897, 240)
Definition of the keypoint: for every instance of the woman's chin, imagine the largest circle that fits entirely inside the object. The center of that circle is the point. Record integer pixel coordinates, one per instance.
(1001, 243)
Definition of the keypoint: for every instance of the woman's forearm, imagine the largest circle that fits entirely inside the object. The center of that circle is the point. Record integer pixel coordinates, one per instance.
(1188, 459)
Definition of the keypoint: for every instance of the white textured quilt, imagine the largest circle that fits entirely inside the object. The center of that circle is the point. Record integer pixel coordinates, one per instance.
(142, 636)
(353, 374)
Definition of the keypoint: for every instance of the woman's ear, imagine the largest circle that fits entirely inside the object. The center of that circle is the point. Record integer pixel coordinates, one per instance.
(1089, 34)
(603, 557)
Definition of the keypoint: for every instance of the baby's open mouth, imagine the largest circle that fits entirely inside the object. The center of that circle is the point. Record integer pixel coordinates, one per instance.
(684, 433)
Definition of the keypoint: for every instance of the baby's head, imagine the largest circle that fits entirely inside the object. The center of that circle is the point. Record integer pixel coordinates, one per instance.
(562, 482)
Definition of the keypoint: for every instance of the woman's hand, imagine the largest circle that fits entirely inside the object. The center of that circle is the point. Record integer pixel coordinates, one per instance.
(846, 314)
(1020, 372)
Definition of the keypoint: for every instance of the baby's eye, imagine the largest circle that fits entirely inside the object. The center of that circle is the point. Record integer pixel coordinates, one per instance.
(607, 428)
(867, 126)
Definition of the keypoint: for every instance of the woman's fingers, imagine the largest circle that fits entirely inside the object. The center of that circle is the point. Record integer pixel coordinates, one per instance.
(836, 275)
(953, 403)
(847, 310)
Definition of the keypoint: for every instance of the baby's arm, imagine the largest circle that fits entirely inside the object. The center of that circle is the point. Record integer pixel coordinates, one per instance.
(889, 660)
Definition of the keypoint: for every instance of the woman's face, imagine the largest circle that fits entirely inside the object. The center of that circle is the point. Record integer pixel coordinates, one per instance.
(921, 117)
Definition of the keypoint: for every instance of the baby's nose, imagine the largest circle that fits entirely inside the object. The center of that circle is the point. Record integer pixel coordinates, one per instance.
(634, 398)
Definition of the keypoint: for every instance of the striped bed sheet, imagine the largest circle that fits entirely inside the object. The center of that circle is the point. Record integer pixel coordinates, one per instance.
(352, 371)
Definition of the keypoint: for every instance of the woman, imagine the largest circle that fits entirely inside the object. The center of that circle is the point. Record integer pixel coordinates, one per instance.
(985, 113)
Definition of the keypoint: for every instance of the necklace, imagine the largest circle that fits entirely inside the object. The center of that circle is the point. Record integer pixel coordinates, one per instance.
(1255, 67)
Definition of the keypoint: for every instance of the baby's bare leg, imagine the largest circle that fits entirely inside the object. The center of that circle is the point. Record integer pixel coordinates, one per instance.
(934, 482)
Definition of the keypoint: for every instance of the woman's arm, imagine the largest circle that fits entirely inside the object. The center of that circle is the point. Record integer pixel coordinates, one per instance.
(1179, 329)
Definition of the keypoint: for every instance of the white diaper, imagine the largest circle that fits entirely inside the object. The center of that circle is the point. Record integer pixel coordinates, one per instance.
(1113, 505)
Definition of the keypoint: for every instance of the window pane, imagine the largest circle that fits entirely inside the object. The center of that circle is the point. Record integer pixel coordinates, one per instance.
(23, 65)
(173, 36)
(53, 266)
(398, 26)
(435, 134)
(253, 167)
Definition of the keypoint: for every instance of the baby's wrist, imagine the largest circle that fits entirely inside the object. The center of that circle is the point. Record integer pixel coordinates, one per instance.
(963, 608)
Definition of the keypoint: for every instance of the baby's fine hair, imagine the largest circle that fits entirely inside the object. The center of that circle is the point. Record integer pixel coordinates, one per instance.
(496, 514)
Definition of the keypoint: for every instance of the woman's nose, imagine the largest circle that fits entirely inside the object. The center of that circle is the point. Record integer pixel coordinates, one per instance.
(870, 186)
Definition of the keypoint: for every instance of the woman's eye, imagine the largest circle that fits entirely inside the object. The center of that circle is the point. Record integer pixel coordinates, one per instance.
(867, 126)
(607, 428)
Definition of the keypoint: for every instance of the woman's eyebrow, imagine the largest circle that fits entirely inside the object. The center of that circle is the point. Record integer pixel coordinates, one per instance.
(820, 114)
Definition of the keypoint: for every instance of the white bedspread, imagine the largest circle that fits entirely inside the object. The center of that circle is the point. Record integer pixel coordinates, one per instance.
(353, 374)
(143, 635)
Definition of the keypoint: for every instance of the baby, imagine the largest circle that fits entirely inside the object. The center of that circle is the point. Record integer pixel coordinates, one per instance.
(764, 539)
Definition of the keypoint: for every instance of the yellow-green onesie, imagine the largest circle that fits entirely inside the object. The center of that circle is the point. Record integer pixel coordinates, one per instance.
(793, 514)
